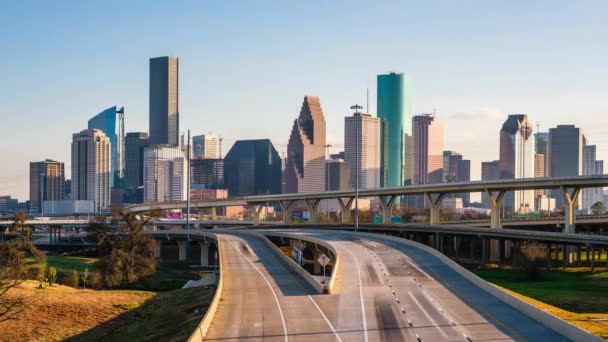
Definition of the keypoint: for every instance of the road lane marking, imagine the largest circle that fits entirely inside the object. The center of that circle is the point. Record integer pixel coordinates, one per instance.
(276, 298)
(427, 315)
(326, 319)
(365, 337)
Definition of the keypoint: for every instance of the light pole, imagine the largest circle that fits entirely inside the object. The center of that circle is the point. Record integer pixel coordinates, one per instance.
(188, 186)
(356, 107)
(327, 146)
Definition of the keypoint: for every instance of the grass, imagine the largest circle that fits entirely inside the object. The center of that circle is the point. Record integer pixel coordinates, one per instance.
(69, 263)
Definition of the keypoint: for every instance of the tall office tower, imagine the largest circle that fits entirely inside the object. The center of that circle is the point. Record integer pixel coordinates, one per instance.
(91, 168)
(395, 107)
(539, 171)
(165, 174)
(135, 143)
(489, 171)
(446, 164)
(305, 170)
(338, 175)
(383, 153)
(428, 132)
(207, 173)
(565, 155)
(164, 101)
(456, 169)
(591, 166)
(47, 183)
(517, 160)
(67, 189)
(253, 167)
(206, 146)
(362, 134)
(541, 146)
(112, 123)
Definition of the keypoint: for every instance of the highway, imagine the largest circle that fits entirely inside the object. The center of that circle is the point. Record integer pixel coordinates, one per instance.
(384, 291)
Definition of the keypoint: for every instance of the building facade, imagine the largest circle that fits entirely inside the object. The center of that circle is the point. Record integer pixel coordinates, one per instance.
(91, 154)
(517, 160)
(112, 123)
(394, 107)
(565, 155)
(206, 146)
(207, 173)
(362, 137)
(428, 133)
(489, 171)
(164, 101)
(165, 174)
(47, 183)
(135, 143)
(457, 169)
(305, 166)
(252, 167)
(591, 166)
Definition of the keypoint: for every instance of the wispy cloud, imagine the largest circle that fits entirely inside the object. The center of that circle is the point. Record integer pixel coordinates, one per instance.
(481, 114)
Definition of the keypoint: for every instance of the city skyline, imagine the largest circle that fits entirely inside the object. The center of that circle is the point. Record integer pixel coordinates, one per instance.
(571, 94)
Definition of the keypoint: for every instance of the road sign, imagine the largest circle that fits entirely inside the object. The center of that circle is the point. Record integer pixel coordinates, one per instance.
(323, 260)
(377, 219)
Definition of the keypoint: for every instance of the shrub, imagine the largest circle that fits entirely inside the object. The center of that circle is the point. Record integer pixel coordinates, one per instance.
(52, 275)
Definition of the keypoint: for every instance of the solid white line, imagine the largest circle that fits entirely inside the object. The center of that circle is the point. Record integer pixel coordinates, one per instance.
(365, 337)
(427, 315)
(326, 320)
(276, 299)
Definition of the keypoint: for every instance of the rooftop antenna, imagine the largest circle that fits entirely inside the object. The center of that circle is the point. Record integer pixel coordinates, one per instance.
(367, 106)
(221, 139)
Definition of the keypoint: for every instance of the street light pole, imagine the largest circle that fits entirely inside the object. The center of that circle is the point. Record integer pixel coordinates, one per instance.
(327, 146)
(188, 186)
(356, 107)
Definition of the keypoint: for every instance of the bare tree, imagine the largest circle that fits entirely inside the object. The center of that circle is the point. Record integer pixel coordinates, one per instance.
(533, 260)
(19, 223)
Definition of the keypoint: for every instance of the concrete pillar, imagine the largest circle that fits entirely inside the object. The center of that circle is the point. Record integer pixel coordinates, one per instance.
(345, 209)
(495, 204)
(501, 252)
(387, 207)
(592, 259)
(182, 244)
(570, 199)
(204, 253)
(257, 210)
(484, 252)
(201, 214)
(549, 255)
(564, 256)
(435, 205)
(286, 208)
(313, 206)
(213, 213)
(457, 247)
(157, 247)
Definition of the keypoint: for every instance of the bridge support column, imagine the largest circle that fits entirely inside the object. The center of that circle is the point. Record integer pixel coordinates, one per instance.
(495, 204)
(157, 247)
(204, 253)
(286, 209)
(484, 252)
(435, 205)
(387, 207)
(570, 199)
(256, 211)
(313, 206)
(345, 209)
(213, 213)
(182, 245)
(201, 214)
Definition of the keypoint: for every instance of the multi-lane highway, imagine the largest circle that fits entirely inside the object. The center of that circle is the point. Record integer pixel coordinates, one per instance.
(384, 291)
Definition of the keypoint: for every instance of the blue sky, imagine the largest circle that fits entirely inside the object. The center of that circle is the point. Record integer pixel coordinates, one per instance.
(246, 65)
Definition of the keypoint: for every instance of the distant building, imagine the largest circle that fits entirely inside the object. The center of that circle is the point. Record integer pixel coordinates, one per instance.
(208, 173)
(591, 166)
(67, 189)
(47, 182)
(541, 146)
(305, 169)
(135, 143)
(517, 160)
(8, 204)
(112, 123)
(253, 167)
(489, 171)
(165, 174)
(338, 175)
(363, 130)
(69, 207)
(164, 101)
(428, 132)
(565, 155)
(539, 172)
(394, 107)
(91, 169)
(457, 169)
(198, 193)
(206, 146)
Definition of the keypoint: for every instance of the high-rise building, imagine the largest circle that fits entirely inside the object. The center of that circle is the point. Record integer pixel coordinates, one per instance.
(517, 160)
(456, 169)
(47, 181)
(112, 123)
(305, 169)
(207, 173)
(206, 146)
(338, 175)
(164, 101)
(489, 171)
(541, 146)
(565, 155)
(447, 157)
(591, 166)
(253, 167)
(428, 132)
(135, 143)
(91, 168)
(394, 107)
(165, 174)
(539, 171)
(8, 204)
(362, 134)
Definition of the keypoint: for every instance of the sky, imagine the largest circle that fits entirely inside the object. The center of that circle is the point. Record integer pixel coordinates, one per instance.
(245, 67)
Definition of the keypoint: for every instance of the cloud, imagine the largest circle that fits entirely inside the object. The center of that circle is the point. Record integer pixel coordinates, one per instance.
(481, 114)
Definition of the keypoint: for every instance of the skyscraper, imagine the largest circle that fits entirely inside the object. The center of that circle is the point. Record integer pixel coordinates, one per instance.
(338, 175)
(456, 169)
(112, 123)
(253, 167)
(135, 143)
(363, 130)
(591, 166)
(517, 160)
(165, 174)
(428, 132)
(206, 146)
(46, 183)
(164, 101)
(305, 169)
(489, 171)
(539, 171)
(565, 155)
(91, 168)
(394, 107)
(207, 173)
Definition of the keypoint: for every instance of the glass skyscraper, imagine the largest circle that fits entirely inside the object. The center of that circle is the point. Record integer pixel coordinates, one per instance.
(164, 101)
(111, 122)
(252, 167)
(394, 106)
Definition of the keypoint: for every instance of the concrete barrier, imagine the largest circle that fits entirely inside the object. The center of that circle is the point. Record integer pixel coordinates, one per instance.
(563, 327)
